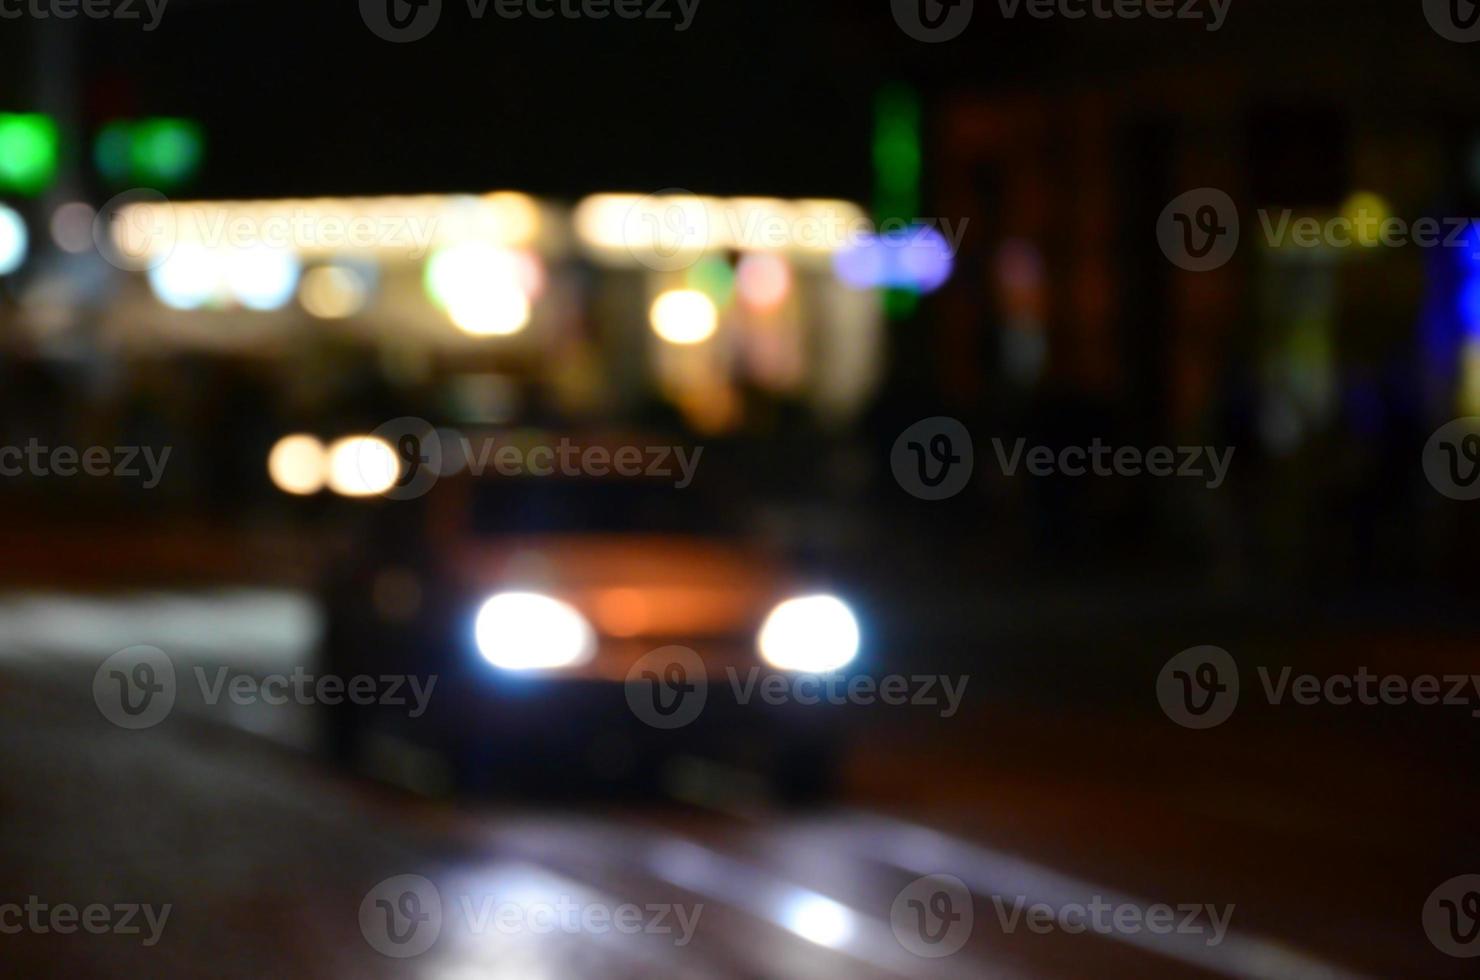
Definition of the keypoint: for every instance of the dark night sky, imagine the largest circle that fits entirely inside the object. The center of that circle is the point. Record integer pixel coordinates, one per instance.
(757, 96)
(312, 102)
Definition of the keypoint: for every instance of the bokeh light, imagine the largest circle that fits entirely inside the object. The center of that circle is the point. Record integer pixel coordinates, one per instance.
(333, 292)
(296, 464)
(764, 281)
(529, 631)
(72, 227)
(483, 289)
(714, 277)
(362, 466)
(815, 634)
(261, 277)
(1366, 211)
(29, 149)
(684, 317)
(14, 241)
(188, 279)
(918, 259)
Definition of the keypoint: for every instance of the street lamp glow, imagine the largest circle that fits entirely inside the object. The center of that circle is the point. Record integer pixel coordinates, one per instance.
(684, 317)
(13, 241)
(362, 466)
(189, 278)
(500, 311)
(296, 465)
(262, 277)
(485, 290)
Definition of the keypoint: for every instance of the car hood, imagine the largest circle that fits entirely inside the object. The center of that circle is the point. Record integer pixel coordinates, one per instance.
(632, 586)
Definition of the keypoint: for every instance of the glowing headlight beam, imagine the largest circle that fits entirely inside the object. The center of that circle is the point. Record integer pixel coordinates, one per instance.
(812, 634)
(529, 631)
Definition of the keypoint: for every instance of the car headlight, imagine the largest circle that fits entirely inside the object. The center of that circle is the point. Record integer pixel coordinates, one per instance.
(529, 631)
(814, 635)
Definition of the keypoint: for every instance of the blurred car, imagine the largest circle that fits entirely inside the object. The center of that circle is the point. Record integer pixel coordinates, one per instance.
(587, 631)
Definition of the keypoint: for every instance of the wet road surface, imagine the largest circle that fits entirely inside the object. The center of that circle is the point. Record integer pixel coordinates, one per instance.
(271, 862)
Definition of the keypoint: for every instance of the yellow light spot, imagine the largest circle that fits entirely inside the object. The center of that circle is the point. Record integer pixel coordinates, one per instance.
(1366, 211)
(684, 317)
(332, 292)
(362, 466)
(296, 465)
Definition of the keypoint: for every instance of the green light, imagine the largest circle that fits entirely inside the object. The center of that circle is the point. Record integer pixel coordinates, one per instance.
(900, 303)
(28, 152)
(439, 276)
(111, 152)
(714, 278)
(157, 152)
(897, 153)
(166, 151)
(898, 161)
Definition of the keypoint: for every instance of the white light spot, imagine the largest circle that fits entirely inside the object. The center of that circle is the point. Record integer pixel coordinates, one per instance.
(684, 316)
(362, 466)
(296, 465)
(529, 631)
(815, 634)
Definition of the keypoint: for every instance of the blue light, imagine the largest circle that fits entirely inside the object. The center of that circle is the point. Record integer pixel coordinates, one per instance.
(1469, 307)
(917, 259)
(862, 265)
(924, 260)
(1469, 282)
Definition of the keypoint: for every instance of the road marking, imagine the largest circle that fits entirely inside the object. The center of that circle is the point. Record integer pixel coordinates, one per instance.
(825, 921)
(921, 850)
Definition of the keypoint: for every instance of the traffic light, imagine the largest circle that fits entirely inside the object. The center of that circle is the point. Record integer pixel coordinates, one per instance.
(28, 152)
(156, 152)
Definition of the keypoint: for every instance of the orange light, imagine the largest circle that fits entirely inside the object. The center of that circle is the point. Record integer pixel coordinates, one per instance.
(622, 612)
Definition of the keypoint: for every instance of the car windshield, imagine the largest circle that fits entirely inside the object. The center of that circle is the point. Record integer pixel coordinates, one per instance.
(529, 505)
